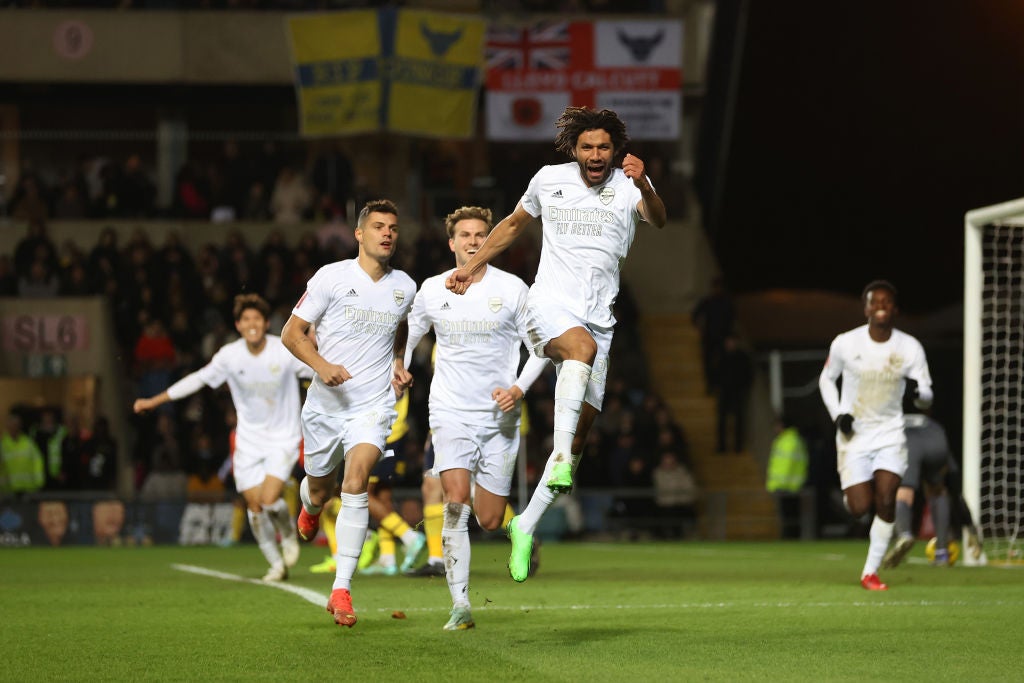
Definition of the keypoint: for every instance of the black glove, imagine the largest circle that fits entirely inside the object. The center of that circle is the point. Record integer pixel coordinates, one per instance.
(844, 423)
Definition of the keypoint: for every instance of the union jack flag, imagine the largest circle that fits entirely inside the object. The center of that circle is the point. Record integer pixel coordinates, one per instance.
(544, 45)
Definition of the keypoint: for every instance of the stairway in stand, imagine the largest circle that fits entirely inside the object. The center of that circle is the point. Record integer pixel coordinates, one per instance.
(734, 504)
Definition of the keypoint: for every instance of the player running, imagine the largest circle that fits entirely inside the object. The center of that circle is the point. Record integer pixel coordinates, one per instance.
(263, 380)
(874, 361)
(475, 397)
(359, 307)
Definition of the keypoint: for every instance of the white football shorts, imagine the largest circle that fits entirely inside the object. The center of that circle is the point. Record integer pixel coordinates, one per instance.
(329, 437)
(253, 463)
(546, 321)
(857, 466)
(488, 452)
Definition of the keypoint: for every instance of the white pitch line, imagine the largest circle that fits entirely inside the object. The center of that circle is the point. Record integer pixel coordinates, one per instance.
(320, 600)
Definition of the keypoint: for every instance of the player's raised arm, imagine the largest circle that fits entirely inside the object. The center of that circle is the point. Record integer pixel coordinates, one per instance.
(650, 206)
(503, 234)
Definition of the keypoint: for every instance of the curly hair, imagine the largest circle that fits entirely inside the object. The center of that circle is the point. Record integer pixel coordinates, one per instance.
(376, 206)
(466, 212)
(577, 120)
(244, 302)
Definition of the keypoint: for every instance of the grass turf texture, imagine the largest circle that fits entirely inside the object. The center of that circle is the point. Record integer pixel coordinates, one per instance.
(601, 611)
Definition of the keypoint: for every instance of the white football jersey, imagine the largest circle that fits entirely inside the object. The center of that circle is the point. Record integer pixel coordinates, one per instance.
(586, 235)
(264, 389)
(874, 379)
(356, 319)
(478, 337)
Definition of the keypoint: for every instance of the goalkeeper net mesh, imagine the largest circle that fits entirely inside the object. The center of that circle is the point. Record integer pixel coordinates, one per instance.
(994, 384)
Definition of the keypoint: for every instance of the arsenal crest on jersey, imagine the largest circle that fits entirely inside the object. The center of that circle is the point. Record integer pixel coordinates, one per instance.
(606, 195)
(399, 296)
(494, 303)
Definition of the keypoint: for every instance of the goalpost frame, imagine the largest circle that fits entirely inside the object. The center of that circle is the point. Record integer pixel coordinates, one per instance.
(974, 280)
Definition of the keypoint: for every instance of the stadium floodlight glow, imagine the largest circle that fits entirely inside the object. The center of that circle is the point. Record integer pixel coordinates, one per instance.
(993, 372)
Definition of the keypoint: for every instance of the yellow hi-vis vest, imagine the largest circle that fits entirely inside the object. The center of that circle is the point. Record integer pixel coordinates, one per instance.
(22, 464)
(787, 464)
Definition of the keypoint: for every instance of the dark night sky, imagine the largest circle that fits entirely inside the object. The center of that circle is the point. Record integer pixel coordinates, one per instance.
(862, 133)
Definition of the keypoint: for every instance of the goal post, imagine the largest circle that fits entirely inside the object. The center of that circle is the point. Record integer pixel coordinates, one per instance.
(993, 374)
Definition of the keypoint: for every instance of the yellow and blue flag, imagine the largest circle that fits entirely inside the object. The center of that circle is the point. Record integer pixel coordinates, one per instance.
(405, 71)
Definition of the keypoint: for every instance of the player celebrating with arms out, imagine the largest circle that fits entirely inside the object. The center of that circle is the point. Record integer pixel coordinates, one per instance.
(474, 395)
(589, 211)
(359, 307)
(874, 360)
(263, 379)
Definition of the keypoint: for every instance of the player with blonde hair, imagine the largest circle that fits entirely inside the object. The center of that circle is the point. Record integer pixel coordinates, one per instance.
(475, 396)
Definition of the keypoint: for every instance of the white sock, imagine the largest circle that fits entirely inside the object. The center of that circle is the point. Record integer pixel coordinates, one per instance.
(409, 536)
(266, 537)
(880, 535)
(570, 390)
(455, 540)
(281, 517)
(350, 530)
(304, 497)
(540, 501)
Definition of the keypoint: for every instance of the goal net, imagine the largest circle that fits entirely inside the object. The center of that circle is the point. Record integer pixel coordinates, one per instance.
(993, 429)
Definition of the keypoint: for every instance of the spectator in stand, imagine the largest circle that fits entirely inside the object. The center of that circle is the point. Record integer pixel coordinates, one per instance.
(35, 246)
(165, 480)
(105, 254)
(291, 198)
(240, 261)
(40, 283)
(98, 458)
(633, 506)
(257, 204)
(735, 375)
(135, 191)
(49, 435)
(71, 205)
(154, 358)
(75, 281)
(235, 177)
(29, 202)
(22, 468)
(714, 316)
(268, 164)
(333, 177)
(191, 193)
(675, 494)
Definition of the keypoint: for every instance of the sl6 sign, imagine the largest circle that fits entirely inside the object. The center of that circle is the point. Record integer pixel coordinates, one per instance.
(45, 333)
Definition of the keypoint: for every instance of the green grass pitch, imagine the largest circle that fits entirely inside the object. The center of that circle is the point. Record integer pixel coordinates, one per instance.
(596, 612)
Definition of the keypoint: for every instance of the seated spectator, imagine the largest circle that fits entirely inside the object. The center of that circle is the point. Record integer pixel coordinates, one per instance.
(675, 495)
(166, 479)
(29, 202)
(40, 283)
(291, 198)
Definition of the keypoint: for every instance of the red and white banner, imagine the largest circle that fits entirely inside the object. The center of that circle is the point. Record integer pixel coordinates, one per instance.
(633, 67)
